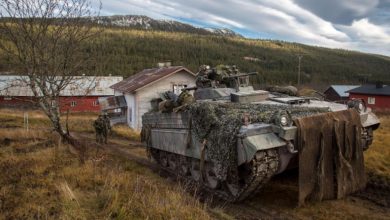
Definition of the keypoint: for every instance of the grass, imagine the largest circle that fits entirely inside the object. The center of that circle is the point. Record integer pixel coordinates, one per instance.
(41, 178)
(78, 122)
(125, 132)
(49, 183)
(377, 157)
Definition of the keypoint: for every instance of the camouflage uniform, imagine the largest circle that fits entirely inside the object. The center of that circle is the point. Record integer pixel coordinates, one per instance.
(185, 98)
(107, 127)
(99, 129)
(202, 79)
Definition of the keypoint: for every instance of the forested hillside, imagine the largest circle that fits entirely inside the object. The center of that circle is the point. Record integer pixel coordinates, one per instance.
(125, 51)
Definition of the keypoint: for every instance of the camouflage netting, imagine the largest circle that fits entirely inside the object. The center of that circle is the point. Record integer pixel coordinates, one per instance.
(218, 123)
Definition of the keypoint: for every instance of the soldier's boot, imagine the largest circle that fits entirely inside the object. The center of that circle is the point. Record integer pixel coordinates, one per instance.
(97, 137)
(101, 138)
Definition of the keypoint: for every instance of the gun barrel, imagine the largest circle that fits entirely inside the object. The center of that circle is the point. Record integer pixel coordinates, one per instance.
(241, 75)
(189, 88)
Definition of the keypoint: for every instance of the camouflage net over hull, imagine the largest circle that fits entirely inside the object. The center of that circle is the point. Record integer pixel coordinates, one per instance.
(219, 124)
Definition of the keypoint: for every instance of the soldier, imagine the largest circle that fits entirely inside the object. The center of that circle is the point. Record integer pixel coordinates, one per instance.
(107, 127)
(202, 79)
(185, 98)
(99, 128)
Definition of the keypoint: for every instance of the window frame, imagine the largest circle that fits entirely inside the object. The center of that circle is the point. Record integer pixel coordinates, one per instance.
(371, 100)
(73, 104)
(95, 103)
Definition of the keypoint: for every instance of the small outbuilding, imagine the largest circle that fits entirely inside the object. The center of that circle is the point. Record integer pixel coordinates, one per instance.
(376, 96)
(338, 92)
(143, 87)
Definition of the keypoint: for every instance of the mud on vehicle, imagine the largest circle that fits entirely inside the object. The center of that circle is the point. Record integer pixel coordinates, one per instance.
(232, 139)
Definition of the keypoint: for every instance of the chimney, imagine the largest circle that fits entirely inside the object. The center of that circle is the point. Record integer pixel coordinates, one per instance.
(379, 84)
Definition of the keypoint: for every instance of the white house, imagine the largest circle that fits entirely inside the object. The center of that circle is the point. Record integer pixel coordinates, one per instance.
(140, 89)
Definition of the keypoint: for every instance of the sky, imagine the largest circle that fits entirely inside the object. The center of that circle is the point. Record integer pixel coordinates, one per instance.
(362, 25)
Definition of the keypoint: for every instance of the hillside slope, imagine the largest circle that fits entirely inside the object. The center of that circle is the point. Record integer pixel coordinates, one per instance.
(123, 51)
(141, 22)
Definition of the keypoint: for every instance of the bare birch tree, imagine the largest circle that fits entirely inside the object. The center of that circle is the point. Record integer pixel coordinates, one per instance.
(44, 39)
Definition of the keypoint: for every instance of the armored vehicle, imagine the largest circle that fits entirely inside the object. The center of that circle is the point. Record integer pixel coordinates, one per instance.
(232, 139)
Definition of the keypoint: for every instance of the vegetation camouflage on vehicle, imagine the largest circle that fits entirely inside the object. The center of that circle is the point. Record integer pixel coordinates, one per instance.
(216, 122)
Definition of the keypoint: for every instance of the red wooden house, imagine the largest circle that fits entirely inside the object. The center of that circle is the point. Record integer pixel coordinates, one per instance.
(81, 95)
(376, 96)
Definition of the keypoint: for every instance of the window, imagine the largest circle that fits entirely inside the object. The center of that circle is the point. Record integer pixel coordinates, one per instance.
(95, 103)
(371, 100)
(178, 87)
(73, 104)
(7, 98)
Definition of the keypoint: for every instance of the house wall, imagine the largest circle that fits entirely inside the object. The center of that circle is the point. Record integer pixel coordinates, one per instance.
(18, 102)
(144, 95)
(381, 102)
(83, 104)
(131, 107)
(332, 95)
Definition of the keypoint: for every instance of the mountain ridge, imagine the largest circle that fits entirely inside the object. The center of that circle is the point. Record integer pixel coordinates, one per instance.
(147, 23)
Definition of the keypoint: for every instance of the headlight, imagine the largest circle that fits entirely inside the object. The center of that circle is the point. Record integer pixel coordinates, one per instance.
(283, 120)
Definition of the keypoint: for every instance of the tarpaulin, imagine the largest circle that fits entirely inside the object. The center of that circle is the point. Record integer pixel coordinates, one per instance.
(331, 163)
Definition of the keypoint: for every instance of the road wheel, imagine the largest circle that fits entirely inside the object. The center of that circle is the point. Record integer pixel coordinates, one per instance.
(164, 159)
(195, 169)
(173, 161)
(184, 166)
(211, 176)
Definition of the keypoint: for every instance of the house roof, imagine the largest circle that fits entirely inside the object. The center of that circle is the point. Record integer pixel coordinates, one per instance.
(146, 77)
(371, 90)
(13, 85)
(341, 90)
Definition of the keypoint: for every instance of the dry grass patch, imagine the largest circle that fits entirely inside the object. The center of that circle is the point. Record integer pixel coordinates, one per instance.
(377, 157)
(124, 131)
(47, 182)
(78, 122)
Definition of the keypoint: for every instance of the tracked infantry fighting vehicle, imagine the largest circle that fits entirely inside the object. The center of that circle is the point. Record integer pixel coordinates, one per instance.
(232, 139)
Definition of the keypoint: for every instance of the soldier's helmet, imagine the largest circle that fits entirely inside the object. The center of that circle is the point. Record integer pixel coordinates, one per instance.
(204, 68)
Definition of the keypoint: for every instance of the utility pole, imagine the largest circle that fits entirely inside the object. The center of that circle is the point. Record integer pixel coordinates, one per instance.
(299, 69)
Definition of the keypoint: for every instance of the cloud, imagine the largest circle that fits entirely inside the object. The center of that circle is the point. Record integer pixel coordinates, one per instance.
(340, 11)
(348, 24)
(368, 36)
